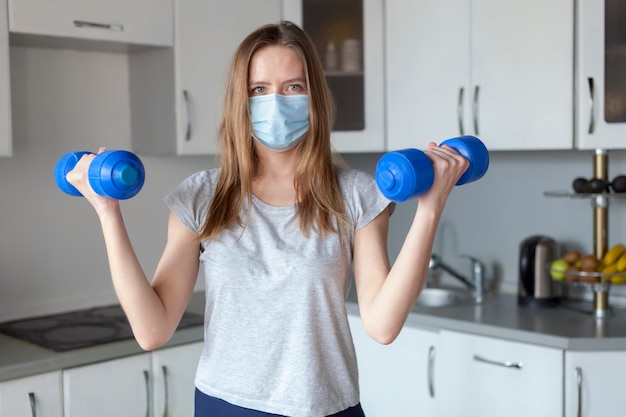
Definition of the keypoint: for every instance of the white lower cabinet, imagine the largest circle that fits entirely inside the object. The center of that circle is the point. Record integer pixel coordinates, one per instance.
(173, 372)
(119, 387)
(595, 384)
(483, 376)
(397, 379)
(33, 396)
(154, 384)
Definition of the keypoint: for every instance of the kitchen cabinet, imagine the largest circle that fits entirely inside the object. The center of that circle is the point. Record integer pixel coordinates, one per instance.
(483, 376)
(348, 36)
(111, 388)
(173, 373)
(6, 141)
(601, 64)
(594, 384)
(140, 22)
(159, 383)
(499, 70)
(38, 395)
(176, 95)
(397, 379)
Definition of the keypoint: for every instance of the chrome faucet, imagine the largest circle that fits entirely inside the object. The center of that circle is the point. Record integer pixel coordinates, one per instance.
(477, 283)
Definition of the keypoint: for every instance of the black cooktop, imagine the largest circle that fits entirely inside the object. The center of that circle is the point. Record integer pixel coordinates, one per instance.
(82, 328)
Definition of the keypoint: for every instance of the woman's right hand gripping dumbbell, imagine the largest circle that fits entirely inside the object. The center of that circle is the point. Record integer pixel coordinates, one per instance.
(102, 178)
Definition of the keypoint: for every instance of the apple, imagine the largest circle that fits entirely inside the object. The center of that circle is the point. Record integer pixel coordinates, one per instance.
(558, 268)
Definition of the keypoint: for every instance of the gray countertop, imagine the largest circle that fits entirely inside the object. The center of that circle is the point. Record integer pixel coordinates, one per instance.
(568, 327)
(19, 358)
(499, 316)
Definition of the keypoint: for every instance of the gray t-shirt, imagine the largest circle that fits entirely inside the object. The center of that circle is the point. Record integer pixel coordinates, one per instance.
(276, 331)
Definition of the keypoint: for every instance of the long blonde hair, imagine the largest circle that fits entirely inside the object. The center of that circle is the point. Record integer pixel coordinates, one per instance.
(320, 206)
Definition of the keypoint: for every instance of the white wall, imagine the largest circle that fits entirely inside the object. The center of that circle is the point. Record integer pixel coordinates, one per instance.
(52, 256)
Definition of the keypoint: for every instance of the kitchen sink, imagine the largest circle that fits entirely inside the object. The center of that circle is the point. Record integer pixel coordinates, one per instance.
(444, 297)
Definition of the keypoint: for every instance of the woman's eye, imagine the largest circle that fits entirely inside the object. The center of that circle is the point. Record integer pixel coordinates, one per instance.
(294, 87)
(258, 90)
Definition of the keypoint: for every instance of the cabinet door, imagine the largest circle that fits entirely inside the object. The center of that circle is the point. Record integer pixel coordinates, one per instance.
(594, 384)
(499, 70)
(38, 395)
(6, 140)
(428, 71)
(207, 35)
(118, 387)
(173, 371)
(601, 64)
(357, 84)
(147, 22)
(398, 379)
(481, 376)
(522, 73)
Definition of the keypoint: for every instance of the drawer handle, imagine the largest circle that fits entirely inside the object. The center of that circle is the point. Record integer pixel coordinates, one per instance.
(187, 101)
(166, 390)
(33, 405)
(579, 383)
(116, 27)
(431, 371)
(505, 364)
(475, 109)
(591, 106)
(146, 379)
(459, 111)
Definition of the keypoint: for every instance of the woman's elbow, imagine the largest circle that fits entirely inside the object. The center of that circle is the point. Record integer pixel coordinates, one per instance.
(384, 335)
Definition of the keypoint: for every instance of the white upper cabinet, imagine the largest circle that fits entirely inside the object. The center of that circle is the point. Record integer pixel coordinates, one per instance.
(601, 65)
(6, 137)
(142, 22)
(177, 96)
(349, 36)
(501, 70)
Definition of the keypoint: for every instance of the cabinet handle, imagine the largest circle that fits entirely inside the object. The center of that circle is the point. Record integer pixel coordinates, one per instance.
(188, 111)
(459, 110)
(431, 371)
(166, 392)
(506, 364)
(146, 378)
(475, 109)
(116, 27)
(579, 383)
(591, 106)
(33, 405)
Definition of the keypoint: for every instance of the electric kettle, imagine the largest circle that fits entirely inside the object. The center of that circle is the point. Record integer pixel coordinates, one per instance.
(536, 287)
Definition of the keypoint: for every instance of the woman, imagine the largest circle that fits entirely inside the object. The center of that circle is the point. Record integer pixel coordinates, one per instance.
(278, 229)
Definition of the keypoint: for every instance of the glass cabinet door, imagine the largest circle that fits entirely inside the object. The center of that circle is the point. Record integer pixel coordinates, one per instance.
(601, 69)
(348, 36)
(615, 61)
(336, 28)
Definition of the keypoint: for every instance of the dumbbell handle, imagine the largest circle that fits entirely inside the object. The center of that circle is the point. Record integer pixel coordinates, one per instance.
(408, 173)
(116, 174)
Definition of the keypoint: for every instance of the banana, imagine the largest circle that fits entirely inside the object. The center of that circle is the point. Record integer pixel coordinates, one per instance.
(621, 263)
(610, 269)
(614, 254)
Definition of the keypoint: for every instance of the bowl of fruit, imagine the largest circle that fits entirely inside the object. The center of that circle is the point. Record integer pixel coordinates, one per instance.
(575, 267)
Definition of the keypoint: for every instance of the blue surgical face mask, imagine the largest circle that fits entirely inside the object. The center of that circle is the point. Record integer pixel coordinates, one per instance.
(279, 122)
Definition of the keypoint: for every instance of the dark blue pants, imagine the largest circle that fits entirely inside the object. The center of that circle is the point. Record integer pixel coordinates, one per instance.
(207, 406)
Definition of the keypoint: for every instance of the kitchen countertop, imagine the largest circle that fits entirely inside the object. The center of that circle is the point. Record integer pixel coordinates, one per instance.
(19, 358)
(499, 316)
(570, 327)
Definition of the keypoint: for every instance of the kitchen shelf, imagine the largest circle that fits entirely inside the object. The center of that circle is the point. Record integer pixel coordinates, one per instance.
(600, 203)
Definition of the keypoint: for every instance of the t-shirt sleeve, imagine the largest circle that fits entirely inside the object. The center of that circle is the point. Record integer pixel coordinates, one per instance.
(190, 200)
(366, 201)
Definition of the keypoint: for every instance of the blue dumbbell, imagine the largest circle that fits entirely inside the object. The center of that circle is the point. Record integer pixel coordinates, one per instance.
(118, 175)
(408, 173)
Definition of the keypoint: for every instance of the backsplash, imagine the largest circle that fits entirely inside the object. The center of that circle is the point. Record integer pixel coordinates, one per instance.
(52, 256)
